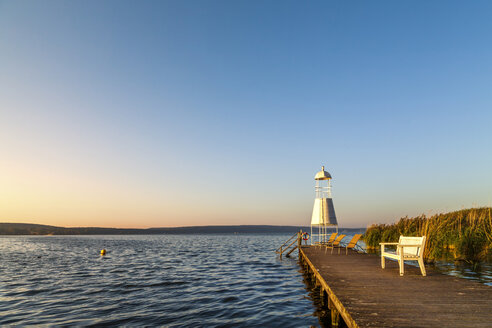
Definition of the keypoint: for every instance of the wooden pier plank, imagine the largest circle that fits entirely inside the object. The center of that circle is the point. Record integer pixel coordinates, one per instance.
(374, 297)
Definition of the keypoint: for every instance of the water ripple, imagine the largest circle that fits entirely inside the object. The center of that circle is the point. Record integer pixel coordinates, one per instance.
(171, 281)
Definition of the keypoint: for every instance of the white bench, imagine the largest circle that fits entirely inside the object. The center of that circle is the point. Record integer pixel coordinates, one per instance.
(407, 249)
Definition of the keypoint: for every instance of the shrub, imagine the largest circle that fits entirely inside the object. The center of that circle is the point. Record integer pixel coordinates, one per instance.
(468, 232)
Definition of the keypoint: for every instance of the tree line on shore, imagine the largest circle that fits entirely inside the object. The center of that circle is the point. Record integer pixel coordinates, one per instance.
(39, 229)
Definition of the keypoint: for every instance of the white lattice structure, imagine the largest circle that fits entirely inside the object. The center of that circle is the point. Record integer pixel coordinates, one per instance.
(323, 210)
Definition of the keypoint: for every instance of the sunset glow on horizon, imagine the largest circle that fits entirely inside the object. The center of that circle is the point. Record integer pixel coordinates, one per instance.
(168, 114)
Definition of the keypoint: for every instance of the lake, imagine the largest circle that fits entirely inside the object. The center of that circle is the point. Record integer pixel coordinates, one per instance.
(152, 280)
(160, 280)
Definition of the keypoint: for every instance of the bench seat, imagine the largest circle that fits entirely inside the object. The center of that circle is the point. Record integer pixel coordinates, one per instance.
(407, 249)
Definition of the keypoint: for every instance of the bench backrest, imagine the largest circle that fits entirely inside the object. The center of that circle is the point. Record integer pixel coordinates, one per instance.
(354, 241)
(417, 251)
(332, 237)
(338, 240)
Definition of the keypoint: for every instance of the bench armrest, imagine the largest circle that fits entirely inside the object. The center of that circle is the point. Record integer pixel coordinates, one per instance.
(388, 243)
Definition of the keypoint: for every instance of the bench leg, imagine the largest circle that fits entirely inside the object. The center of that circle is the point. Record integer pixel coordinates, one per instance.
(402, 266)
(382, 261)
(422, 267)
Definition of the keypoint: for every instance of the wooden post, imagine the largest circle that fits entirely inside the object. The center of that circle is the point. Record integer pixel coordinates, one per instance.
(322, 295)
(335, 317)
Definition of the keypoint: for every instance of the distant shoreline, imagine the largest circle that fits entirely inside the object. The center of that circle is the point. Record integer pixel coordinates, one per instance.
(39, 229)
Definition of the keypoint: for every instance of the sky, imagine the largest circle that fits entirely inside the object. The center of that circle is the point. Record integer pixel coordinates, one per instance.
(181, 113)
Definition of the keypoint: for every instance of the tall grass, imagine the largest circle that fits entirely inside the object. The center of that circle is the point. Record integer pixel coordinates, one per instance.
(467, 234)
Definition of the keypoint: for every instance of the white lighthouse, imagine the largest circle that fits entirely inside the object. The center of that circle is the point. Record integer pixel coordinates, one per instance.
(323, 210)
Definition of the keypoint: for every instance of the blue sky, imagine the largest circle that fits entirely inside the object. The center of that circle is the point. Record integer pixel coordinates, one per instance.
(173, 113)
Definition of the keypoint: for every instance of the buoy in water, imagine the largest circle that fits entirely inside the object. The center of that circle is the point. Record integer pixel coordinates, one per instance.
(103, 252)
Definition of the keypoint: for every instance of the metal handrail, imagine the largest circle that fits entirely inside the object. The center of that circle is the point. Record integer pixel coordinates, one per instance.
(280, 248)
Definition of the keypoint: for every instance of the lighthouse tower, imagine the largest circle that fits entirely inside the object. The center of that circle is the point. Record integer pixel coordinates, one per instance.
(323, 210)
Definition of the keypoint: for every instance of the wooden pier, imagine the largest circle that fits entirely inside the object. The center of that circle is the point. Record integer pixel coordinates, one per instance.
(356, 289)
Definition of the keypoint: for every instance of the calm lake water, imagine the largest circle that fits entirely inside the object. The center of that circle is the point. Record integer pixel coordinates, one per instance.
(152, 280)
(159, 280)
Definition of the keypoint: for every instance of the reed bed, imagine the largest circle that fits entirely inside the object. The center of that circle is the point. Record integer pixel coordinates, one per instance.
(464, 234)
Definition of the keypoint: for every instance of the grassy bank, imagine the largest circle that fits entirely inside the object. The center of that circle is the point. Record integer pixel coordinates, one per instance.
(465, 234)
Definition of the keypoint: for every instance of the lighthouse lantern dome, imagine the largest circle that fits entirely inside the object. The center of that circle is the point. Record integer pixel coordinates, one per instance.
(322, 175)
